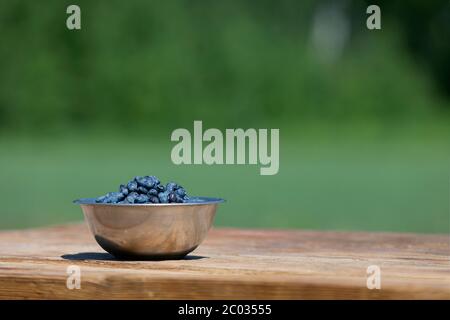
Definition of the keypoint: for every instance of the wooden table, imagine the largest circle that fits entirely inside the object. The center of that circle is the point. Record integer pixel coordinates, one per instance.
(230, 264)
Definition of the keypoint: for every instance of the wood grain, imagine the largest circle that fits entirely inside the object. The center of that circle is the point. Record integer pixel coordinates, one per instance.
(230, 264)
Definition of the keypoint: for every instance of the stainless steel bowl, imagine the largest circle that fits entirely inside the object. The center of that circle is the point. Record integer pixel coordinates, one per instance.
(150, 231)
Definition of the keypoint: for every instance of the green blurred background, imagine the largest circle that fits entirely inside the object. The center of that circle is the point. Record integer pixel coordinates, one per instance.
(364, 116)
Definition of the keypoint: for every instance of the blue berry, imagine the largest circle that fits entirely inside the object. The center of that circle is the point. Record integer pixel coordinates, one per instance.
(152, 192)
(163, 197)
(111, 199)
(142, 190)
(132, 197)
(146, 182)
(142, 198)
(123, 189)
(181, 192)
(115, 194)
(171, 186)
(155, 180)
(172, 197)
(114, 197)
(132, 186)
(154, 199)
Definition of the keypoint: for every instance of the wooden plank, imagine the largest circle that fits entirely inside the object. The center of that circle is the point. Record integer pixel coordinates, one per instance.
(230, 264)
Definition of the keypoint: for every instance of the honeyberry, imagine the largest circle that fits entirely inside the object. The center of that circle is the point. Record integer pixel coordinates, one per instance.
(155, 180)
(132, 197)
(163, 197)
(132, 186)
(142, 190)
(171, 186)
(154, 199)
(172, 197)
(146, 189)
(123, 189)
(181, 192)
(147, 182)
(142, 198)
(114, 197)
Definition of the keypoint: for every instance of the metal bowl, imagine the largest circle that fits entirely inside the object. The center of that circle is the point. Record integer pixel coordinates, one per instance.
(150, 231)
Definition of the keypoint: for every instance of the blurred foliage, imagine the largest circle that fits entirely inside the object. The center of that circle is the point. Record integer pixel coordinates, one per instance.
(364, 114)
(151, 64)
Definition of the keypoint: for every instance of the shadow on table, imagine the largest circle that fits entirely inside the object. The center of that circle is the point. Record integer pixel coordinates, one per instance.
(106, 256)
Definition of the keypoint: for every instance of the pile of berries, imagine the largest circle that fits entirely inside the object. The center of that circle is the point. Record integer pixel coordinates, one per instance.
(146, 189)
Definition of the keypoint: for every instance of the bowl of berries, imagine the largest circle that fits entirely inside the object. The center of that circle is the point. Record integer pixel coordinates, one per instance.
(146, 219)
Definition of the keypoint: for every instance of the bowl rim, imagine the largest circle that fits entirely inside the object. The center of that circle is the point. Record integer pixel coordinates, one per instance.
(192, 202)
